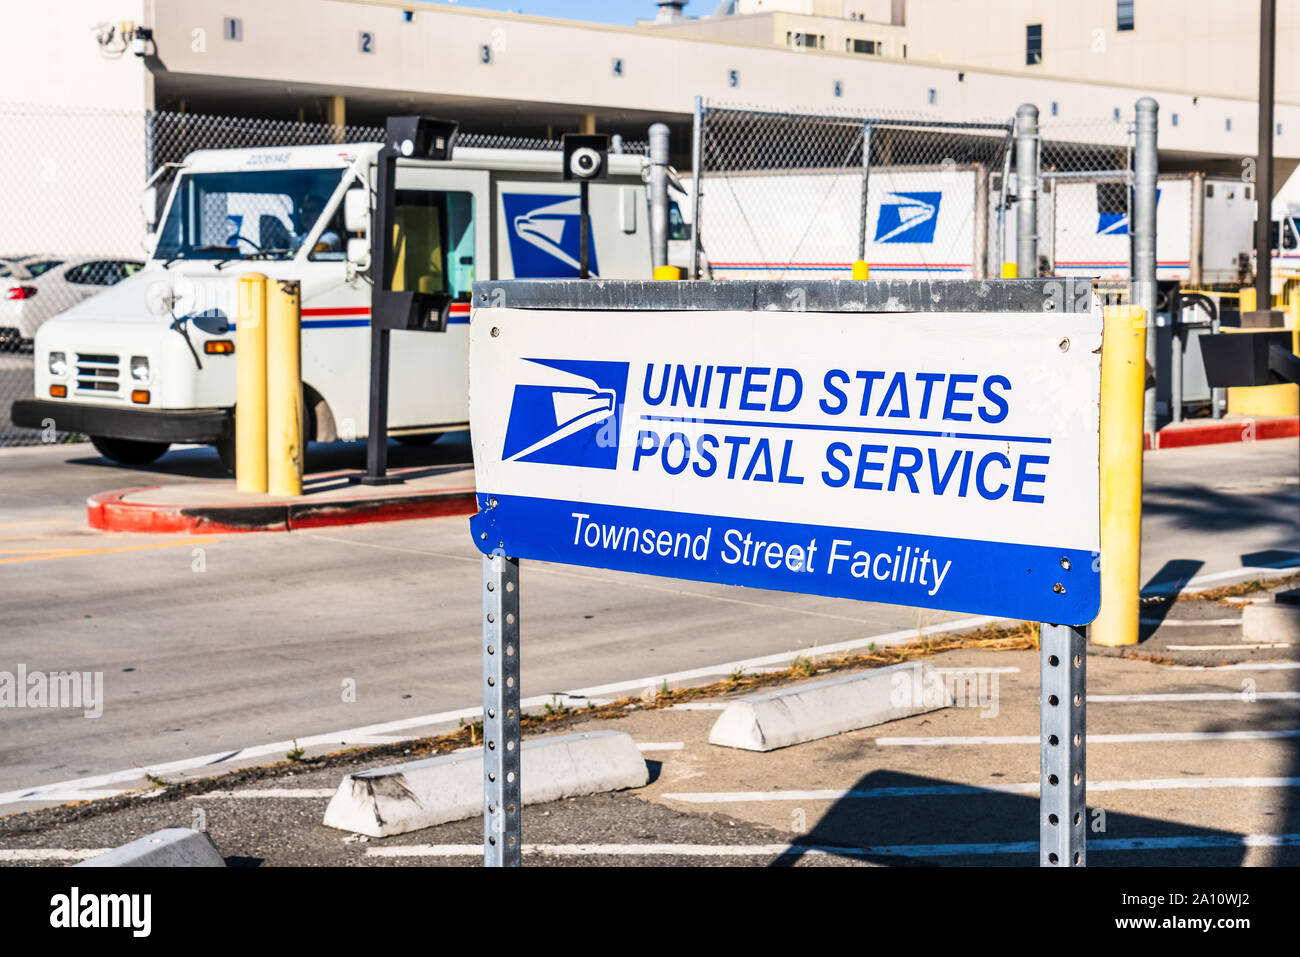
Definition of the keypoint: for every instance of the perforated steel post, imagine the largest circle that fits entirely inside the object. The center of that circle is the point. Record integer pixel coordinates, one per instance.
(1062, 744)
(502, 796)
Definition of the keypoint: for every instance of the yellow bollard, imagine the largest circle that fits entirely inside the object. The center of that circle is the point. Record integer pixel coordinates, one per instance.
(250, 391)
(284, 450)
(668, 272)
(1282, 399)
(1010, 271)
(1123, 380)
(861, 270)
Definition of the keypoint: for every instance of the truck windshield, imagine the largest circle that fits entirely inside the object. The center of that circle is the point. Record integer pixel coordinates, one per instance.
(263, 214)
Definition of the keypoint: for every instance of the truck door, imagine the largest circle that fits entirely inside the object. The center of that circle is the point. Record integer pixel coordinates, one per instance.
(443, 243)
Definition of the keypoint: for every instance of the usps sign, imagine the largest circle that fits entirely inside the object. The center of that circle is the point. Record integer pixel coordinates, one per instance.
(942, 460)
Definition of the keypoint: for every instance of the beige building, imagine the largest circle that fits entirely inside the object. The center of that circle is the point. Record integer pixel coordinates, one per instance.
(360, 60)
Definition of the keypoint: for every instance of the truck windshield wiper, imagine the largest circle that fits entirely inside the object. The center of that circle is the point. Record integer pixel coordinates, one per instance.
(267, 253)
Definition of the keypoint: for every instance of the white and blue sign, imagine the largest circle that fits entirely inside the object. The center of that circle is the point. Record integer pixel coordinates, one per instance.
(545, 233)
(916, 459)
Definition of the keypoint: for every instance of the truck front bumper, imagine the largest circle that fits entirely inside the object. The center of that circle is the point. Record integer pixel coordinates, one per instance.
(202, 426)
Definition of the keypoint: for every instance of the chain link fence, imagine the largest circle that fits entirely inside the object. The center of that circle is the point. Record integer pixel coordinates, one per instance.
(1084, 199)
(783, 195)
(787, 194)
(72, 217)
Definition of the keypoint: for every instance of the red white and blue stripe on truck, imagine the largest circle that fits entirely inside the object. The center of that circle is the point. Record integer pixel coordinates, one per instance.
(344, 317)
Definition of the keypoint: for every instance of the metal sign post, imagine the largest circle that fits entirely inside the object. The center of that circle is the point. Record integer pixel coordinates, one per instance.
(502, 794)
(855, 439)
(1062, 800)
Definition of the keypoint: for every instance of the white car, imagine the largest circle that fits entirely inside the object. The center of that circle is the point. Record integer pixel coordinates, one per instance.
(38, 287)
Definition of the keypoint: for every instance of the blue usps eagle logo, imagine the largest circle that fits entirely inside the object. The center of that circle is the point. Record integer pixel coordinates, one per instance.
(567, 414)
(545, 236)
(911, 219)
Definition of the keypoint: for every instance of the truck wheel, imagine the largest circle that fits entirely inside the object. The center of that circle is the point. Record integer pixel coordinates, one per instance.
(128, 451)
(226, 452)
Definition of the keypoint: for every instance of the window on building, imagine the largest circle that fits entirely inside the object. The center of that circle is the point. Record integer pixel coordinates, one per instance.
(805, 41)
(869, 47)
(1033, 44)
(1124, 15)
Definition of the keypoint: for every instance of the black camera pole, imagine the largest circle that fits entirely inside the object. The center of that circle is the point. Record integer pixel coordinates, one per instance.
(585, 234)
(377, 436)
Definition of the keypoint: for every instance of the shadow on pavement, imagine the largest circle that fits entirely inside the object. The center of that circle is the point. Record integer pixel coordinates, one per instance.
(1167, 584)
(202, 462)
(948, 829)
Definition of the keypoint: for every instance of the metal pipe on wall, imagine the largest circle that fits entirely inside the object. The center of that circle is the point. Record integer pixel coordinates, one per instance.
(1146, 167)
(1027, 191)
(659, 195)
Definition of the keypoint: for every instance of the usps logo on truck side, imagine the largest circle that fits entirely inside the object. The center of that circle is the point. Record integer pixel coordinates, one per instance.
(906, 458)
(545, 232)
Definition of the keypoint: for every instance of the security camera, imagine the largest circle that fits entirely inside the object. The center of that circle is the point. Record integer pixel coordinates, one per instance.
(585, 156)
(585, 163)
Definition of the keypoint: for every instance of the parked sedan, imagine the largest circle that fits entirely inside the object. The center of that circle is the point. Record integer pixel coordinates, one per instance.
(38, 287)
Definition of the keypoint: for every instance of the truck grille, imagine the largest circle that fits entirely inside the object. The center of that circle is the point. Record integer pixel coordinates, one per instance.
(97, 372)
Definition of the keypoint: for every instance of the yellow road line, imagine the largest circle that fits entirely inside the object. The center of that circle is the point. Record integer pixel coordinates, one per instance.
(43, 554)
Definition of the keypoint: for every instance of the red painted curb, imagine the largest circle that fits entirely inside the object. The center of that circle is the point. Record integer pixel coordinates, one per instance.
(108, 511)
(1220, 433)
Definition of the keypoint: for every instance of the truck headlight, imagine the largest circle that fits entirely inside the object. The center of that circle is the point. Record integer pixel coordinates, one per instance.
(58, 365)
(140, 368)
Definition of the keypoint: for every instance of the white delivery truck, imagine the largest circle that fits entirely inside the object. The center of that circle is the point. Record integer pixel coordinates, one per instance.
(1286, 240)
(149, 362)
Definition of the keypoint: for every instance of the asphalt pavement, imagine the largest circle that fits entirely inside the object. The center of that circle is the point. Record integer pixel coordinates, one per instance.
(220, 650)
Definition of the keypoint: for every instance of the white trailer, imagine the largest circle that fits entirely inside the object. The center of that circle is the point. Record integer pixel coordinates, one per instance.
(921, 221)
(1204, 228)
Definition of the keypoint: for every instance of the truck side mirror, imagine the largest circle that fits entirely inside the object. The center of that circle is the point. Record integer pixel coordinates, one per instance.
(359, 252)
(356, 211)
(149, 206)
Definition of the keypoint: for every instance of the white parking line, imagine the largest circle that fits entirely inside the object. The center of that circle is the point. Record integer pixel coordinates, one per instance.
(25, 854)
(699, 706)
(886, 850)
(941, 742)
(1237, 647)
(279, 793)
(969, 790)
(1188, 622)
(1243, 666)
(1196, 696)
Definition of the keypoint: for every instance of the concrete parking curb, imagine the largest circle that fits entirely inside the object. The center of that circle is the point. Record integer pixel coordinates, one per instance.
(1270, 622)
(778, 719)
(170, 847)
(399, 798)
(113, 512)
